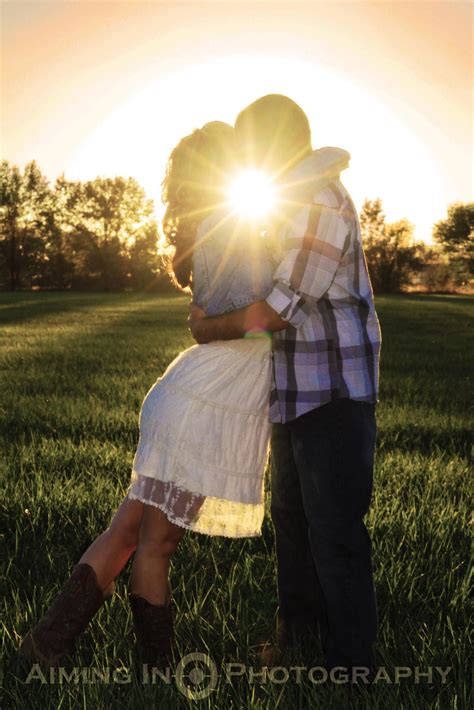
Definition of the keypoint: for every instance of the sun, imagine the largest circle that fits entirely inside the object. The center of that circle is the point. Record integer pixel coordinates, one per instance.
(251, 194)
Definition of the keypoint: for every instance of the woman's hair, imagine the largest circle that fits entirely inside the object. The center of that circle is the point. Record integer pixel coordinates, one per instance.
(194, 184)
(274, 133)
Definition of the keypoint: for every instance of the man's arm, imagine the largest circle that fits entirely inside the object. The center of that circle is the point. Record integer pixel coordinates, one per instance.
(316, 247)
(257, 317)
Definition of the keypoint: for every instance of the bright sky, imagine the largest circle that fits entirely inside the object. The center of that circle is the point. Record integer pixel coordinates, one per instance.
(107, 88)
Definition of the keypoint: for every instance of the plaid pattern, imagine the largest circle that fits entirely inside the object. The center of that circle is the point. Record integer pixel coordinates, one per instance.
(331, 348)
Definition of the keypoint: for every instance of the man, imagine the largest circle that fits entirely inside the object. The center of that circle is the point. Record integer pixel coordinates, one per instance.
(326, 343)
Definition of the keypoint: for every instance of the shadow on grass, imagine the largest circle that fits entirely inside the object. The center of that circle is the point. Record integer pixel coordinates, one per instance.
(425, 298)
(426, 441)
(38, 307)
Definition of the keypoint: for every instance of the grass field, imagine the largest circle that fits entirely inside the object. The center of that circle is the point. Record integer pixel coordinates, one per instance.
(74, 369)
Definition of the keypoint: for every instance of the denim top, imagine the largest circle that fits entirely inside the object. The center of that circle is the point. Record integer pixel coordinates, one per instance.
(232, 265)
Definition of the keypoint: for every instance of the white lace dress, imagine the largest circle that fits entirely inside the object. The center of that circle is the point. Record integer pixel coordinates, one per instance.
(204, 436)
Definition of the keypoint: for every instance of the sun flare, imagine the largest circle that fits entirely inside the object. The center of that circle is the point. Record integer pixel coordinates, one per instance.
(251, 194)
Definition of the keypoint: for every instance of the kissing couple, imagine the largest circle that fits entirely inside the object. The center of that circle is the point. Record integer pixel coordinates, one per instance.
(287, 354)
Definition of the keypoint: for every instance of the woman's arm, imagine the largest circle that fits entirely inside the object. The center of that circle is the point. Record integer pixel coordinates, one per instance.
(256, 317)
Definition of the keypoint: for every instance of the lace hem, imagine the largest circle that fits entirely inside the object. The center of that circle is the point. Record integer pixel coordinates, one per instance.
(190, 526)
(205, 514)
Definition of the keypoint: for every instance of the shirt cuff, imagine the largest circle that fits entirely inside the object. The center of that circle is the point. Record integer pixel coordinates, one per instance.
(289, 304)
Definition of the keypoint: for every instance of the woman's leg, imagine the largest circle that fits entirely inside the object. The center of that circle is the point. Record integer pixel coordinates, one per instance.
(150, 597)
(158, 541)
(110, 552)
(85, 590)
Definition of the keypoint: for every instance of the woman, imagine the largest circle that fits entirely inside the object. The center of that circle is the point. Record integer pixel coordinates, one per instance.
(204, 428)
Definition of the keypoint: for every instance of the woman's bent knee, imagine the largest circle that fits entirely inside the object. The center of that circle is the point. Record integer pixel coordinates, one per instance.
(159, 546)
(126, 523)
(126, 537)
(160, 539)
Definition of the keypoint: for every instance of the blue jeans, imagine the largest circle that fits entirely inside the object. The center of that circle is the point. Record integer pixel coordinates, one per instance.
(322, 466)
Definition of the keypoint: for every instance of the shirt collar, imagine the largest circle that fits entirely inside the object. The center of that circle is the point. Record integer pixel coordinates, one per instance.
(312, 174)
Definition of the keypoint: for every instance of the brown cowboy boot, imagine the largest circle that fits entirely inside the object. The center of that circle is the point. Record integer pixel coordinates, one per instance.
(67, 617)
(153, 624)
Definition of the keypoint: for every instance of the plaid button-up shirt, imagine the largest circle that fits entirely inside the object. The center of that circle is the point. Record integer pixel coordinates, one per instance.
(331, 348)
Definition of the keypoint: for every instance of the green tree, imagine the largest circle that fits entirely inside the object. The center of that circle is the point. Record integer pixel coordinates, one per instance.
(59, 265)
(392, 254)
(10, 207)
(110, 214)
(145, 264)
(455, 236)
(25, 201)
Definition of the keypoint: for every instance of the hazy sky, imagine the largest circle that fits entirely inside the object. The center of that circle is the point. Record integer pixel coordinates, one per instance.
(107, 88)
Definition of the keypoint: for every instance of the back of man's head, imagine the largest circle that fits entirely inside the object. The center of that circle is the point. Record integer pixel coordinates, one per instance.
(274, 133)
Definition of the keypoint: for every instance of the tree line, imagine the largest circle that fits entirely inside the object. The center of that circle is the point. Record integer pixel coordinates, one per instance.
(396, 260)
(103, 235)
(96, 235)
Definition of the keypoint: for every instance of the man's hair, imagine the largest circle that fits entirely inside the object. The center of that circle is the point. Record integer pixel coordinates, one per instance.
(274, 133)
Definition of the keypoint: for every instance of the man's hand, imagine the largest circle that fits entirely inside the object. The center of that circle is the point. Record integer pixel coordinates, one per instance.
(196, 315)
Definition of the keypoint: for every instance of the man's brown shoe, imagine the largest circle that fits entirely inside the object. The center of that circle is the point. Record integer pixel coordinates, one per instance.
(286, 636)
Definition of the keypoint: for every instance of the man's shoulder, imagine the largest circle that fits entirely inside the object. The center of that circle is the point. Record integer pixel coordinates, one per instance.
(333, 195)
(333, 198)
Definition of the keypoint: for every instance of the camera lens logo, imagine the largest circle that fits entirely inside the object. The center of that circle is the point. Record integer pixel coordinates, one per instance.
(196, 676)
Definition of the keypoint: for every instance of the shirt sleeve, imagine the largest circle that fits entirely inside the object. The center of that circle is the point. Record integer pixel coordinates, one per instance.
(310, 263)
